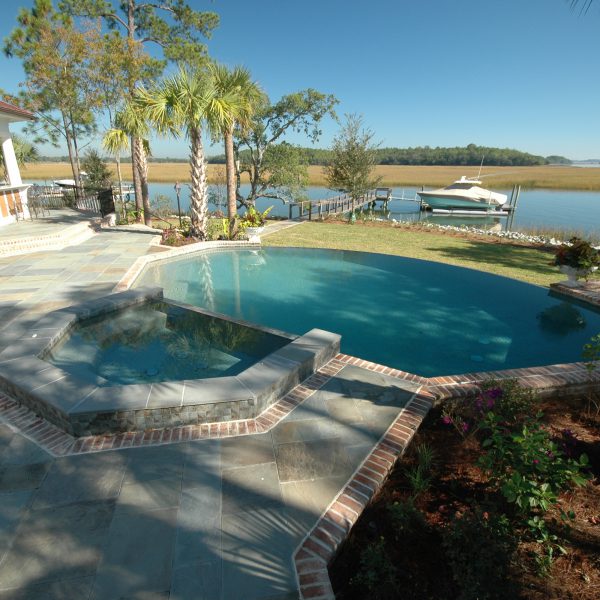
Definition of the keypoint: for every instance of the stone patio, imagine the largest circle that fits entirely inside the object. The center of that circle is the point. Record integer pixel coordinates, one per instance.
(242, 510)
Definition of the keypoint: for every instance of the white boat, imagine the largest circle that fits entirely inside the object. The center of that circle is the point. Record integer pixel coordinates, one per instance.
(464, 193)
(70, 183)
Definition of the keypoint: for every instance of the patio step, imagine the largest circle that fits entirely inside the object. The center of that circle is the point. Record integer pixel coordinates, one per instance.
(70, 235)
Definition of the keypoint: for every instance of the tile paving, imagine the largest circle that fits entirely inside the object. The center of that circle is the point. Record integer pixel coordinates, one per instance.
(214, 518)
(251, 510)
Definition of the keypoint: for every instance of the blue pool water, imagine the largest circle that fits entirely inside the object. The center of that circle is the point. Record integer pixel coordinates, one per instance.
(155, 342)
(417, 316)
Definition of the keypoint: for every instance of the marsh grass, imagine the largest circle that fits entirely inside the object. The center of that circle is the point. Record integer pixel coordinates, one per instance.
(574, 178)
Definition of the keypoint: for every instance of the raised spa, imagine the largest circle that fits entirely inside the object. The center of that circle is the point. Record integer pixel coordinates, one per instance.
(136, 361)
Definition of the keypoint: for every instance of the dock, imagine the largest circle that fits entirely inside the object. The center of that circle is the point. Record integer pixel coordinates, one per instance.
(320, 209)
(344, 203)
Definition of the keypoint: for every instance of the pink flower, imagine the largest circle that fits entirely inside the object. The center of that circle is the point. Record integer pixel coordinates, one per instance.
(465, 427)
(447, 420)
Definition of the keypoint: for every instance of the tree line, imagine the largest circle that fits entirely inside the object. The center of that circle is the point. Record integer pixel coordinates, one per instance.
(441, 156)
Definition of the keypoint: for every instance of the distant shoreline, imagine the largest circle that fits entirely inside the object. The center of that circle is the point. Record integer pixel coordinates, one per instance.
(547, 177)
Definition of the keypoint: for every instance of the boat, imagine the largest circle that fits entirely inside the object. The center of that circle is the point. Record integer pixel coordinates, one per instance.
(465, 193)
(70, 183)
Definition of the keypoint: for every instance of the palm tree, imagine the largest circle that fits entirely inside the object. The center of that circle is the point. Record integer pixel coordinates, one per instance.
(116, 141)
(188, 100)
(132, 128)
(243, 96)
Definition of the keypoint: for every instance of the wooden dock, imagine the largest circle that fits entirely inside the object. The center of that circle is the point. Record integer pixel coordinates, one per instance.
(320, 209)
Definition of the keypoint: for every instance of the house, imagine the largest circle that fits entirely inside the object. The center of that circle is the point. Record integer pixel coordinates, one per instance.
(13, 193)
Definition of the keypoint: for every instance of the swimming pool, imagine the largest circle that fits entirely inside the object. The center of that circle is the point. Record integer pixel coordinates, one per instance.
(156, 342)
(418, 316)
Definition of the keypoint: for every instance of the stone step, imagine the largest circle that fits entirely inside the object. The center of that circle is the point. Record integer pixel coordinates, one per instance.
(68, 236)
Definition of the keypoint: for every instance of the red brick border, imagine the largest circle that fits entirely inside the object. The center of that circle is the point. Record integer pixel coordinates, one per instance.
(313, 556)
(319, 547)
(316, 552)
(58, 443)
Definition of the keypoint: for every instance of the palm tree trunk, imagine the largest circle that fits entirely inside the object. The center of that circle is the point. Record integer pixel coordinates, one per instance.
(120, 178)
(199, 196)
(137, 182)
(143, 165)
(231, 183)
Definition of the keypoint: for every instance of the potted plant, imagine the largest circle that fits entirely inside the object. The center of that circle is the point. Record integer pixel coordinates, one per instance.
(253, 221)
(577, 258)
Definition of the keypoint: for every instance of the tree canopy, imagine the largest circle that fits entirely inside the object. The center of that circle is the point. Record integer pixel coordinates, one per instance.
(301, 112)
(353, 159)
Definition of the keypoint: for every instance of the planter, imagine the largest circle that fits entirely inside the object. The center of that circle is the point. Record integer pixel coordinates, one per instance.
(253, 233)
(574, 274)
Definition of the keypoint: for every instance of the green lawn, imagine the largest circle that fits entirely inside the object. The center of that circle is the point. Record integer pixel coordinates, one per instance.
(503, 258)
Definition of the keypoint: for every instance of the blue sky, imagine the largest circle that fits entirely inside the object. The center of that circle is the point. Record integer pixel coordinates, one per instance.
(504, 73)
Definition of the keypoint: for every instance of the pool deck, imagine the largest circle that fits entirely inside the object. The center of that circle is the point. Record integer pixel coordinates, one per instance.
(251, 510)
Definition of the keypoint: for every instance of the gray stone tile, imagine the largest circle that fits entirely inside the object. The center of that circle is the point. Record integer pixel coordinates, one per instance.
(198, 580)
(166, 394)
(66, 589)
(159, 462)
(12, 507)
(270, 378)
(108, 399)
(199, 520)
(6, 436)
(305, 431)
(217, 389)
(138, 556)
(247, 450)
(65, 394)
(15, 478)
(42, 272)
(312, 408)
(248, 488)
(308, 499)
(82, 478)
(309, 460)
(57, 544)
(257, 555)
(149, 495)
(22, 348)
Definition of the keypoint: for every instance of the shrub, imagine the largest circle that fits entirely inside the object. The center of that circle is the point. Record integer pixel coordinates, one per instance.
(406, 518)
(479, 546)
(578, 254)
(377, 574)
(508, 400)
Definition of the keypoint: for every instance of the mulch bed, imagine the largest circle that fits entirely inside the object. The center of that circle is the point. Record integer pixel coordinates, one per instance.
(421, 566)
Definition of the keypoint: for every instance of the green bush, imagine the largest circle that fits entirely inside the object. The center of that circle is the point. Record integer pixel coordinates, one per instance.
(377, 575)
(479, 547)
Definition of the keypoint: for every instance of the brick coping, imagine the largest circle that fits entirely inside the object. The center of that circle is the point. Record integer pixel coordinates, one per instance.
(319, 547)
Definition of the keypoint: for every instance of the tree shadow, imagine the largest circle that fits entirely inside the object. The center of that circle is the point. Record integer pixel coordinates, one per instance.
(512, 256)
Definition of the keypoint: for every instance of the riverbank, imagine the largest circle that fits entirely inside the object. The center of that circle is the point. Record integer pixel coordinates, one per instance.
(546, 177)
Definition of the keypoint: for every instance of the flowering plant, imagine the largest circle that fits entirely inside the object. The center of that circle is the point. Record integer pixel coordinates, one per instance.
(255, 218)
(578, 254)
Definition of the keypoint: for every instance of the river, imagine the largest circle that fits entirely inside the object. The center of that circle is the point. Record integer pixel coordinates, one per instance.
(565, 210)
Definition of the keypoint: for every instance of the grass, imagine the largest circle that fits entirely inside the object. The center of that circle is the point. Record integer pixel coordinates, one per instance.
(574, 178)
(520, 262)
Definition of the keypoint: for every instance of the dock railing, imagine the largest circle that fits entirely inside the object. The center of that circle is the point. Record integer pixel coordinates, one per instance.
(307, 209)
